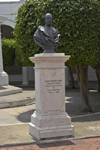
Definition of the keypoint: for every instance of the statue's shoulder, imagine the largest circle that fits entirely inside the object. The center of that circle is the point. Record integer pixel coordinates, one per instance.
(41, 28)
(55, 30)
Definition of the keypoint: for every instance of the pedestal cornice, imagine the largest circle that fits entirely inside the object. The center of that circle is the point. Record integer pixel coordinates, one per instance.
(54, 58)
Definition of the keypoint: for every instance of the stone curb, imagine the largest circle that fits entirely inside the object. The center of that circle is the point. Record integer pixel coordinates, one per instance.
(46, 141)
(65, 139)
(9, 89)
(16, 144)
(21, 102)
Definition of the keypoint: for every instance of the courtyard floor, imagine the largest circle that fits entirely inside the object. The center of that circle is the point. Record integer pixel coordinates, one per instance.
(14, 125)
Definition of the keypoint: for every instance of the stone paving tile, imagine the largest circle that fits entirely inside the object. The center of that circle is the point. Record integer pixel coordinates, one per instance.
(52, 148)
(3, 149)
(60, 147)
(49, 145)
(20, 148)
(42, 148)
(93, 148)
(79, 148)
(82, 144)
(86, 146)
(68, 148)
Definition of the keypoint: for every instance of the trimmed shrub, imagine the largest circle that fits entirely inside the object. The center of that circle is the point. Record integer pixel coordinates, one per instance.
(78, 22)
(27, 20)
(8, 50)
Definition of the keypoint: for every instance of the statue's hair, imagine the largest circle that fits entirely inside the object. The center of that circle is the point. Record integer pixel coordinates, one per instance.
(46, 15)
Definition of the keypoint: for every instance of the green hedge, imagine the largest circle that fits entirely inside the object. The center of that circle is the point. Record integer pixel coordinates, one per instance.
(8, 50)
(28, 17)
(78, 22)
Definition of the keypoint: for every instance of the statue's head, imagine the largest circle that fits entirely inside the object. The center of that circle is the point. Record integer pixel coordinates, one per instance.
(48, 19)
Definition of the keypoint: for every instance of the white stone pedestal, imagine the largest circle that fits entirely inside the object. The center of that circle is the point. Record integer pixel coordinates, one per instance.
(50, 118)
(3, 78)
(3, 75)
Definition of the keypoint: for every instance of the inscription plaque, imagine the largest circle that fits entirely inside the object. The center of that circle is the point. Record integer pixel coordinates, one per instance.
(53, 86)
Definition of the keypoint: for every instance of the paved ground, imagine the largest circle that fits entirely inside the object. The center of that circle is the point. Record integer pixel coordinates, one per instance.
(14, 126)
(13, 96)
(83, 144)
(9, 89)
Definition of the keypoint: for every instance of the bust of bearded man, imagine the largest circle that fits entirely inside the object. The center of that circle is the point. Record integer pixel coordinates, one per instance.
(46, 36)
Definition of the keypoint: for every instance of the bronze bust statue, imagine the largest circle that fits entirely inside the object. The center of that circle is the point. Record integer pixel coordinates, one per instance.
(46, 36)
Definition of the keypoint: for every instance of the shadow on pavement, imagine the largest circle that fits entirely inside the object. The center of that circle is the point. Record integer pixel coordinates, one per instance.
(55, 144)
(25, 116)
(74, 105)
(88, 118)
(74, 102)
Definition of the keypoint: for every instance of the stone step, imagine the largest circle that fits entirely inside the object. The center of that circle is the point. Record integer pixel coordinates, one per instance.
(19, 99)
(9, 89)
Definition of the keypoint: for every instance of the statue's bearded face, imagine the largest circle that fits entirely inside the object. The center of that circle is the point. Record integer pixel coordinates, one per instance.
(48, 19)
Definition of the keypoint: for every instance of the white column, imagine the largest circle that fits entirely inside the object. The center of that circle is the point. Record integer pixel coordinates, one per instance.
(3, 75)
(50, 118)
(24, 76)
(1, 61)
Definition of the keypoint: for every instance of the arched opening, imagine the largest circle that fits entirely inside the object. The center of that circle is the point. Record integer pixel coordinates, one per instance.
(14, 72)
(7, 31)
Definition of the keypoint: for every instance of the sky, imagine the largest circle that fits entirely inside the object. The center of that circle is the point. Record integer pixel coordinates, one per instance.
(9, 0)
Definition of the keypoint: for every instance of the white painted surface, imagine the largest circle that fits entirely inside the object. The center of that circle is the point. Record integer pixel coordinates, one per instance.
(24, 76)
(91, 75)
(3, 75)
(8, 9)
(9, 1)
(1, 60)
(50, 118)
(2, 19)
(4, 80)
(8, 90)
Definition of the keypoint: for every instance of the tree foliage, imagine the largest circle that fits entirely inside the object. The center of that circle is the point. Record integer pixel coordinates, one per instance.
(78, 22)
(27, 21)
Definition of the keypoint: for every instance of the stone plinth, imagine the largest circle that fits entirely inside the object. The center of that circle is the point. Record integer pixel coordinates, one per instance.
(4, 80)
(50, 118)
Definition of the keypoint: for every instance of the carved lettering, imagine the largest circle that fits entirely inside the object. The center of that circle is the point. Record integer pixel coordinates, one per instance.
(53, 86)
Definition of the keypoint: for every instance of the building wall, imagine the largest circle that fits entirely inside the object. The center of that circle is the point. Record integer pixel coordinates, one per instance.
(8, 9)
(91, 75)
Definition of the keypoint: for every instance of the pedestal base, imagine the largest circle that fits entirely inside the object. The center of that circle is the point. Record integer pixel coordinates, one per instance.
(50, 126)
(53, 132)
(3, 78)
